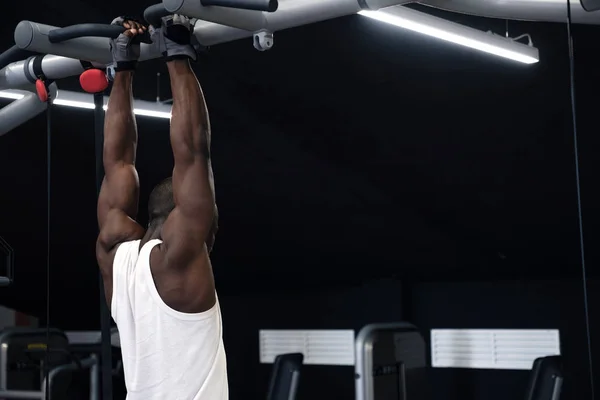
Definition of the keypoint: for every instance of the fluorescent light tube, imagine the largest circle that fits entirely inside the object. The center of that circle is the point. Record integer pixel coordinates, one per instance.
(74, 103)
(148, 113)
(452, 32)
(85, 101)
(152, 113)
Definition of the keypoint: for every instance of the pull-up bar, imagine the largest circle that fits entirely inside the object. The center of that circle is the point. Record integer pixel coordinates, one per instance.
(65, 52)
(215, 25)
(88, 30)
(258, 5)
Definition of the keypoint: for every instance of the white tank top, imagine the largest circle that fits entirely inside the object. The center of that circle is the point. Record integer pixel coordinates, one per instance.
(167, 354)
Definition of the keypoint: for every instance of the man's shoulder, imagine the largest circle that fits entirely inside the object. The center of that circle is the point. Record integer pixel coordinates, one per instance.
(120, 252)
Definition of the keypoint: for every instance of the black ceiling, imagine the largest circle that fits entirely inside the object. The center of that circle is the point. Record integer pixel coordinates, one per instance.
(350, 151)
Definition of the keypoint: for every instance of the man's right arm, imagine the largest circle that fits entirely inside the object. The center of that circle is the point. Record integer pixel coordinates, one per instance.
(118, 199)
(117, 207)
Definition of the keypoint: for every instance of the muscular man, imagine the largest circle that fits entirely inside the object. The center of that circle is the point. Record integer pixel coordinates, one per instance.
(159, 280)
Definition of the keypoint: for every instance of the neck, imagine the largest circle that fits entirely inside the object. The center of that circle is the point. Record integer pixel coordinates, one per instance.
(153, 231)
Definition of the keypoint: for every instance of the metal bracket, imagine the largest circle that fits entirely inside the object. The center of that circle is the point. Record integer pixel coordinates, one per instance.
(263, 40)
(110, 73)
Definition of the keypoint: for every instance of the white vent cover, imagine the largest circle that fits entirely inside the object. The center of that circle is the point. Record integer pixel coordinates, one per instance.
(319, 347)
(491, 349)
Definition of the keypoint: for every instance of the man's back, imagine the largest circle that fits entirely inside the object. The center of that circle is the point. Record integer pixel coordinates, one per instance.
(167, 354)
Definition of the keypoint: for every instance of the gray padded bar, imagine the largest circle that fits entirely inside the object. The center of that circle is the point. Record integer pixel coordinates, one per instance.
(230, 17)
(20, 111)
(290, 13)
(13, 54)
(257, 5)
(17, 75)
(523, 10)
(153, 14)
(216, 25)
(34, 37)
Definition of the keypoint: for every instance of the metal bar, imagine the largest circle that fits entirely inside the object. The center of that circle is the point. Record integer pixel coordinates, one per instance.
(290, 13)
(153, 14)
(84, 30)
(590, 5)
(105, 320)
(86, 363)
(90, 362)
(216, 25)
(557, 388)
(23, 74)
(241, 19)
(13, 54)
(257, 5)
(56, 67)
(17, 394)
(363, 364)
(94, 379)
(15, 76)
(35, 37)
(20, 111)
(524, 10)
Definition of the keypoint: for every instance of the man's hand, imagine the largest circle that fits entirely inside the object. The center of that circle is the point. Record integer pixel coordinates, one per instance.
(133, 28)
(125, 50)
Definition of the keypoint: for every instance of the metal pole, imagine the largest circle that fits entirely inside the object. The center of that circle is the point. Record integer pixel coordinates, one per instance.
(18, 394)
(106, 355)
(20, 111)
(94, 380)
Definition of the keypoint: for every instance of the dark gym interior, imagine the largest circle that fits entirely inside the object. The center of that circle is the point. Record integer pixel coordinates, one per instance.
(363, 174)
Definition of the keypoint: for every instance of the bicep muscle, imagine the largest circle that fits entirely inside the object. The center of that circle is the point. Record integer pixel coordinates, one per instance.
(119, 191)
(186, 229)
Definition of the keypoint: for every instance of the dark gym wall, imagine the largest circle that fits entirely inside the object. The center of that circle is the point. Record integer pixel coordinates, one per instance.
(510, 305)
(518, 305)
(340, 308)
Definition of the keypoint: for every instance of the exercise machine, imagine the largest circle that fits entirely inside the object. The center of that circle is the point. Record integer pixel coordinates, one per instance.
(26, 354)
(390, 363)
(285, 376)
(546, 379)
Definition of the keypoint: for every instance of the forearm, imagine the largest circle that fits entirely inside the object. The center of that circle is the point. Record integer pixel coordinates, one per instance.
(193, 187)
(120, 186)
(120, 131)
(190, 126)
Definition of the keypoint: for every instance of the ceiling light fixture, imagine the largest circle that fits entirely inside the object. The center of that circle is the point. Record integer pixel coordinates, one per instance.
(86, 101)
(452, 32)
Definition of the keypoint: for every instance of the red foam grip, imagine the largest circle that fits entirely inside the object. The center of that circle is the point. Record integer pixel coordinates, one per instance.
(42, 91)
(93, 81)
